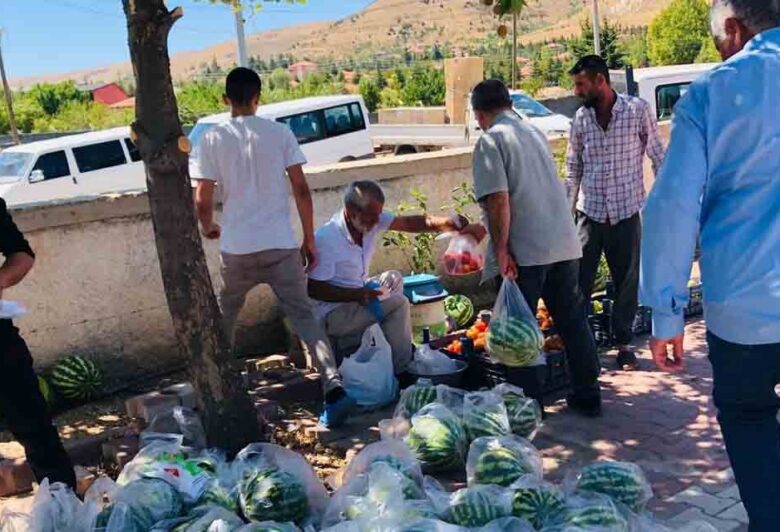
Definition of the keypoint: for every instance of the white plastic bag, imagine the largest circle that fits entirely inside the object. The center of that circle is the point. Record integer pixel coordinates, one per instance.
(56, 508)
(14, 521)
(141, 504)
(101, 493)
(368, 376)
(502, 460)
(202, 519)
(623, 482)
(431, 362)
(463, 255)
(269, 526)
(508, 524)
(392, 452)
(484, 414)
(525, 414)
(514, 337)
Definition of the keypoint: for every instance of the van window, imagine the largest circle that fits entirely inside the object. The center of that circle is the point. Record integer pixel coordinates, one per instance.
(53, 165)
(666, 97)
(339, 121)
(307, 127)
(98, 156)
(357, 116)
(132, 149)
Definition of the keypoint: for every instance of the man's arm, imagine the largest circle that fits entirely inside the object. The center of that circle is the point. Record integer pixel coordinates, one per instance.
(498, 219)
(651, 138)
(302, 195)
(574, 164)
(324, 291)
(19, 256)
(671, 221)
(204, 207)
(428, 224)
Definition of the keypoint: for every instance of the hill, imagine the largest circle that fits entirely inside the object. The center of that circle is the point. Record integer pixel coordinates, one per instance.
(388, 27)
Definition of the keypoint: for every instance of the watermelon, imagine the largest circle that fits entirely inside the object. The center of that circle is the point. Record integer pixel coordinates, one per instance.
(514, 341)
(484, 414)
(273, 495)
(410, 488)
(460, 309)
(437, 438)
(77, 378)
(623, 482)
(218, 495)
(143, 503)
(476, 506)
(538, 505)
(269, 526)
(499, 466)
(414, 398)
(602, 275)
(525, 414)
(202, 519)
(600, 517)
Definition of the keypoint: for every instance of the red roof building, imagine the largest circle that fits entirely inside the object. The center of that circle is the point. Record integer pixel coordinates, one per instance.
(105, 93)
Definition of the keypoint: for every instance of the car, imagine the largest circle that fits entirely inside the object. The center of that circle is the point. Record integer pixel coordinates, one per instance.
(553, 125)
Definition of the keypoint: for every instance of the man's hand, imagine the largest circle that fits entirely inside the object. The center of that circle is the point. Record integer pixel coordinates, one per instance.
(367, 295)
(475, 231)
(660, 350)
(458, 222)
(507, 266)
(211, 232)
(310, 255)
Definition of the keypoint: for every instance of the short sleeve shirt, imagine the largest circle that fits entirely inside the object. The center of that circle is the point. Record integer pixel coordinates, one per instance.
(514, 157)
(12, 241)
(341, 261)
(248, 158)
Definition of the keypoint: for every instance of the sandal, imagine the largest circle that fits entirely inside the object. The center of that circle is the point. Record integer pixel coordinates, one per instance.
(627, 361)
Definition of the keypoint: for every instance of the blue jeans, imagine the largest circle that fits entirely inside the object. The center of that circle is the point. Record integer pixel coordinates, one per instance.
(744, 379)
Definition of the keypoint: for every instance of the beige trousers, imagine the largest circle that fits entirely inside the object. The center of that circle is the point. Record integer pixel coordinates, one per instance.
(282, 270)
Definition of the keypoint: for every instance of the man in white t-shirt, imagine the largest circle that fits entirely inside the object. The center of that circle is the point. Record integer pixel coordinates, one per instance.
(347, 300)
(257, 164)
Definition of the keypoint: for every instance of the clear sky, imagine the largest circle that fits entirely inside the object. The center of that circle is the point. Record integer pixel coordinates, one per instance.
(51, 36)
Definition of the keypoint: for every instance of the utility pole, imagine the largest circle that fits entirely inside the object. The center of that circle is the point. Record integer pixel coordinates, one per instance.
(8, 99)
(514, 50)
(242, 59)
(596, 29)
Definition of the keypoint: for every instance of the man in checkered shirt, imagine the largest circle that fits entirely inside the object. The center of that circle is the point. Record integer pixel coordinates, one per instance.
(609, 137)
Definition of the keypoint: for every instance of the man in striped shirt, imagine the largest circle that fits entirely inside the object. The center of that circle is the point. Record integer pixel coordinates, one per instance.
(609, 137)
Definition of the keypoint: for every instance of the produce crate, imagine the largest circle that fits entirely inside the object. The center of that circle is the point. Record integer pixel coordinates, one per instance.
(643, 323)
(601, 324)
(695, 305)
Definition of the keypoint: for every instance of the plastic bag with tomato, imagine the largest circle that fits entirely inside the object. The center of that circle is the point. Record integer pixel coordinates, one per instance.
(463, 256)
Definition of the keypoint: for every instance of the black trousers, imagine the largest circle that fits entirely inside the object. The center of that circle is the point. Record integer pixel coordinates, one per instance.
(621, 244)
(558, 285)
(27, 413)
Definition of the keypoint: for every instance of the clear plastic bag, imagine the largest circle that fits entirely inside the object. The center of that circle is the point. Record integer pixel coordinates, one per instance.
(268, 526)
(514, 337)
(392, 452)
(222, 487)
(591, 512)
(508, 524)
(134, 470)
(463, 256)
(624, 482)
(484, 414)
(56, 508)
(502, 460)
(537, 501)
(368, 375)
(437, 439)
(413, 398)
(431, 362)
(141, 504)
(432, 525)
(14, 521)
(452, 398)
(202, 519)
(101, 493)
(525, 414)
(474, 507)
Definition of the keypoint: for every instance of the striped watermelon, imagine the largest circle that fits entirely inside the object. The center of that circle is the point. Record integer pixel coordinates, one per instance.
(273, 495)
(218, 495)
(414, 398)
(514, 341)
(623, 482)
(499, 466)
(538, 505)
(437, 438)
(484, 414)
(477, 506)
(598, 516)
(45, 389)
(525, 414)
(77, 378)
(460, 309)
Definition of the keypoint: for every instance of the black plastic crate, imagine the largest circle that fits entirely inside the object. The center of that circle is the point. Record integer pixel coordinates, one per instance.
(601, 323)
(695, 305)
(643, 323)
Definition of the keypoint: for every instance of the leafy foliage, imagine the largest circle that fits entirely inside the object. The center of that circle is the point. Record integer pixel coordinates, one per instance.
(611, 49)
(369, 90)
(424, 86)
(708, 52)
(418, 249)
(677, 34)
(51, 97)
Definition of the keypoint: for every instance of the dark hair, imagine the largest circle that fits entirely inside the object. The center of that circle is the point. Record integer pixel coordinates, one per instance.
(591, 65)
(242, 85)
(490, 95)
(359, 193)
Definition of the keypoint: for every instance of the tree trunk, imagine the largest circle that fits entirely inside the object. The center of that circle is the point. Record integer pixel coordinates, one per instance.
(228, 414)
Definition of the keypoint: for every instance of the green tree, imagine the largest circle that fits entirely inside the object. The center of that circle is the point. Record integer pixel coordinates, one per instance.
(198, 99)
(708, 52)
(636, 49)
(279, 79)
(369, 90)
(611, 48)
(52, 96)
(676, 35)
(424, 86)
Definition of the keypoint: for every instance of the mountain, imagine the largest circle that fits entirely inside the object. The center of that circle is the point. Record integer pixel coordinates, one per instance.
(389, 26)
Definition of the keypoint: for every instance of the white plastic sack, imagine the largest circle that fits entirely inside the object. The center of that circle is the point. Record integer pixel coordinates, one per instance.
(368, 376)
(392, 452)
(179, 420)
(502, 460)
(14, 521)
(202, 519)
(101, 493)
(56, 508)
(431, 362)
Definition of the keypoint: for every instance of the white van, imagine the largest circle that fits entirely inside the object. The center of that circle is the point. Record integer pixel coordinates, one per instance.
(661, 87)
(330, 129)
(97, 162)
(553, 125)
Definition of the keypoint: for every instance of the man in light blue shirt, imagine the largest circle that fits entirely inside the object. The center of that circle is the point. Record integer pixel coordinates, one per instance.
(721, 178)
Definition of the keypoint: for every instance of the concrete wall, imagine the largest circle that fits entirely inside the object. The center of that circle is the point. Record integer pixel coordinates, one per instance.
(96, 288)
(413, 115)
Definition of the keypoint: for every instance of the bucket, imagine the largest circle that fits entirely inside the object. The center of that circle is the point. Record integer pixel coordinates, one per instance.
(426, 295)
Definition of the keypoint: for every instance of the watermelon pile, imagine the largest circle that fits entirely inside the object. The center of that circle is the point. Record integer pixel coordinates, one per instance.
(77, 378)
(514, 341)
(477, 506)
(460, 309)
(414, 398)
(621, 481)
(484, 414)
(537, 503)
(437, 438)
(525, 414)
(273, 495)
(141, 504)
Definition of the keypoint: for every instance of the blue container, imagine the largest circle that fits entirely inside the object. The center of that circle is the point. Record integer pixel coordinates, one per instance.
(423, 288)
(426, 295)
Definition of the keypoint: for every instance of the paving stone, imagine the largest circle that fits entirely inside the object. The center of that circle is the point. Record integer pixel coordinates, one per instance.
(16, 477)
(732, 492)
(697, 497)
(735, 513)
(305, 388)
(695, 514)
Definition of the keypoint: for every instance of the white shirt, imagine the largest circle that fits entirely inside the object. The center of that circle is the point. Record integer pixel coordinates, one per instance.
(342, 262)
(248, 158)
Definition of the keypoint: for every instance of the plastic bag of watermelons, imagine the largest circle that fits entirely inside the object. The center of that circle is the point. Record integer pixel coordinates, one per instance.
(56, 507)
(508, 524)
(139, 505)
(514, 337)
(502, 460)
(471, 507)
(592, 512)
(413, 398)
(201, 519)
(537, 501)
(268, 526)
(391, 452)
(278, 484)
(624, 482)
(221, 488)
(484, 414)
(437, 439)
(525, 414)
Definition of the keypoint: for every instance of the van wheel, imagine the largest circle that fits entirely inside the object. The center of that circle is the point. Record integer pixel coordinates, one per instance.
(347, 159)
(405, 150)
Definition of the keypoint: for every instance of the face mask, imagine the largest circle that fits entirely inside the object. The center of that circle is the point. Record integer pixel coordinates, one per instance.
(355, 221)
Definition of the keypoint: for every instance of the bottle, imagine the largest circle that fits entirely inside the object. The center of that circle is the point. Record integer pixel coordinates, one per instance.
(426, 335)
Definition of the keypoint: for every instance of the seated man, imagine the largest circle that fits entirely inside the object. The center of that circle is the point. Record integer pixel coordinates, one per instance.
(345, 298)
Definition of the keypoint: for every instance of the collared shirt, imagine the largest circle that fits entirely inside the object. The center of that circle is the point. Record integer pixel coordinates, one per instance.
(721, 177)
(605, 169)
(12, 241)
(342, 262)
(514, 157)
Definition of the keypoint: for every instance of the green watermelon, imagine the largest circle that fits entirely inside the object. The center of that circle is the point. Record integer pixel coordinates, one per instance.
(269, 526)
(602, 517)
(621, 481)
(437, 439)
(500, 466)
(602, 275)
(218, 495)
(525, 414)
(411, 489)
(484, 414)
(475, 507)
(273, 495)
(538, 505)
(77, 378)
(46, 391)
(145, 502)
(414, 398)
(514, 341)
(460, 309)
